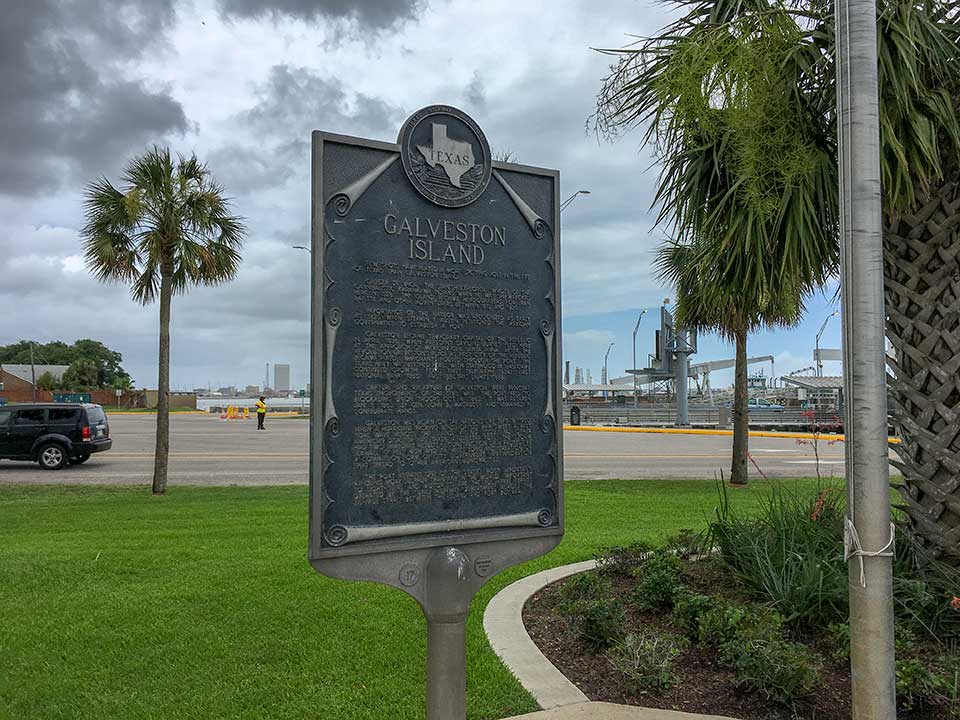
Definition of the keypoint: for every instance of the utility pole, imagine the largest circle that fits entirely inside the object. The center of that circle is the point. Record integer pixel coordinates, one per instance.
(33, 373)
(868, 533)
(605, 380)
(683, 376)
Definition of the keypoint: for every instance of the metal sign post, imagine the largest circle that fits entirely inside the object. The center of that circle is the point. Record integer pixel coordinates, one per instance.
(868, 536)
(436, 441)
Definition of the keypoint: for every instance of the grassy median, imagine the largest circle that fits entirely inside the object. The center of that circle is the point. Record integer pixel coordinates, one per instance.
(200, 604)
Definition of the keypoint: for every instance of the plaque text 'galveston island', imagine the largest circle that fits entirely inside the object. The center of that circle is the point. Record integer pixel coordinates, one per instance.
(435, 340)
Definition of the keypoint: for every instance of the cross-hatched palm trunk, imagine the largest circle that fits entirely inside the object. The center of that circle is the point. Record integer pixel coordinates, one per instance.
(922, 259)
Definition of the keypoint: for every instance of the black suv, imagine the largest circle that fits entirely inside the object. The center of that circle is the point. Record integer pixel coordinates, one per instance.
(53, 434)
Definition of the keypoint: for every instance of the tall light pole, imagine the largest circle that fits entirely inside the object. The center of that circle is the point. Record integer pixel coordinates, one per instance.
(605, 379)
(573, 197)
(636, 387)
(816, 343)
(868, 541)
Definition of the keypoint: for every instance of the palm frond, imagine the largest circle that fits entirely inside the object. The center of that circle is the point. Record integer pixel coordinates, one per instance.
(171, 220)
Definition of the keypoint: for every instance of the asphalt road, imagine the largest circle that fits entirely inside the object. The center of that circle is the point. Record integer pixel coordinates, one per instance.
(205, 450)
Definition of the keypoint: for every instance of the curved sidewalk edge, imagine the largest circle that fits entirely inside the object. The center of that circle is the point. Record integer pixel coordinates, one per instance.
(559, 698)
(609, 711)
(503, 623)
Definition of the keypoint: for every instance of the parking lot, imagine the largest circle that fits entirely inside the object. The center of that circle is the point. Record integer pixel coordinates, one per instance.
(205, 450)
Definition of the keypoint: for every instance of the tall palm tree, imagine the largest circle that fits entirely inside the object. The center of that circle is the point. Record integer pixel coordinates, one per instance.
(919, 78)
(718, 91)
(167, 229)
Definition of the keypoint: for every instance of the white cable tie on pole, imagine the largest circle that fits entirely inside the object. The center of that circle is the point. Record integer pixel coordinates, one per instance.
(853, 548)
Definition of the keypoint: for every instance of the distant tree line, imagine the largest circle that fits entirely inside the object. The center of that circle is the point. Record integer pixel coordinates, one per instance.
(92, 365)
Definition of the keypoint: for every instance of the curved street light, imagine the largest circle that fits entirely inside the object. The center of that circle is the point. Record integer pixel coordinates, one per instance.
(572, 198)
(300, 247)
(636, 388)
(816, 343)
(606, 379)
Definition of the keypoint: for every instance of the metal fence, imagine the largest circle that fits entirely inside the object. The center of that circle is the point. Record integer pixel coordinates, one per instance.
(702, 417)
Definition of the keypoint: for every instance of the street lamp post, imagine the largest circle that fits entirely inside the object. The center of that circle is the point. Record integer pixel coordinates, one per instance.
(816, 343)
(605, 379)
(301, 247)
(573, 197)
(636, 387)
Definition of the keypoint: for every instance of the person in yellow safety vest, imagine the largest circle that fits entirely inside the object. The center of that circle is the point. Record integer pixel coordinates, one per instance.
(261, 412)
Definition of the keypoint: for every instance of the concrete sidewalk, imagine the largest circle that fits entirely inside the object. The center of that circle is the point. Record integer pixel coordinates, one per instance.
(609, 711)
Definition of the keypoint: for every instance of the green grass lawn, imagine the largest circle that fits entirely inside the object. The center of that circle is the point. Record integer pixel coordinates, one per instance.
(201, 604)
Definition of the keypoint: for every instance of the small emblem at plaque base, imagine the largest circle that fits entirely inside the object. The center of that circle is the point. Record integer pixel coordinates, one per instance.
(409, 575)
(483, 565)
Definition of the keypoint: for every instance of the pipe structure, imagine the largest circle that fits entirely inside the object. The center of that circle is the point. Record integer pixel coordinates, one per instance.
(868, 531)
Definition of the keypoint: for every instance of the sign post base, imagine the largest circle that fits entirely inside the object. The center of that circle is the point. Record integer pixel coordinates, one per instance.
(443, 580)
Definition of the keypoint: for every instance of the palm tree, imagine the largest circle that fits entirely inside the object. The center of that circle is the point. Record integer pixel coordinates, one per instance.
(168, 228)
(919, 49)
(718, 91)
(717, 61)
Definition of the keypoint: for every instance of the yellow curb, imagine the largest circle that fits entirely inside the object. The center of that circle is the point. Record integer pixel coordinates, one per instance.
(697, 431)
(152, 412)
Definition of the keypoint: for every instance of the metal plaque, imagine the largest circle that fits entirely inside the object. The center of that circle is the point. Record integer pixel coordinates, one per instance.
(435, 349)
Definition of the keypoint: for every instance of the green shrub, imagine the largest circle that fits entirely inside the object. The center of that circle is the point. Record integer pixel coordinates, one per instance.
(923, 588)
(687, 543)
(789, 554)
(918, 685)
(602, 624)
(658, 580)
(581, 590)
(647, 658)
(719, 624)
(780, 670)
(750, 642)
(840, 635)
(688, 608)
(622, 560)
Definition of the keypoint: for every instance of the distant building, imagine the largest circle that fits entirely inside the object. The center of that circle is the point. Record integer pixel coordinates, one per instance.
(251, 390)
(281, 378)
(25, 373)
(229, 390)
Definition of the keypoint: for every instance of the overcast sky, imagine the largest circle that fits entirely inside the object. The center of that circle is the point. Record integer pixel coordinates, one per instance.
(242, 83)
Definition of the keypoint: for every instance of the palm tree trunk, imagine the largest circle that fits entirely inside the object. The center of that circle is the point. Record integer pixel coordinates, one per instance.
(922, 262)
(163, 389)
(741, 418)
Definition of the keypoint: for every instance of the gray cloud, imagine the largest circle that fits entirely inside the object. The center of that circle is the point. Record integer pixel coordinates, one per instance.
(364, 14)
(475, 93)
(289, 105)
(65, 107)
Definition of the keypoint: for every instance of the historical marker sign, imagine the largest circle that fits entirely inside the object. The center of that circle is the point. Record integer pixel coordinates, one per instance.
(436, 340)
(436, 456)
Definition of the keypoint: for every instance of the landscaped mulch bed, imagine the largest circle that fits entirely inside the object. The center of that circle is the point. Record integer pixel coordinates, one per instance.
(704, 686)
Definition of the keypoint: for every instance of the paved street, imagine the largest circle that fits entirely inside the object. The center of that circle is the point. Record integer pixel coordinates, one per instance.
(209, 451)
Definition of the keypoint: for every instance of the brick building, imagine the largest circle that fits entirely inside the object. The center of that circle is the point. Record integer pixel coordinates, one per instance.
(16, 383)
